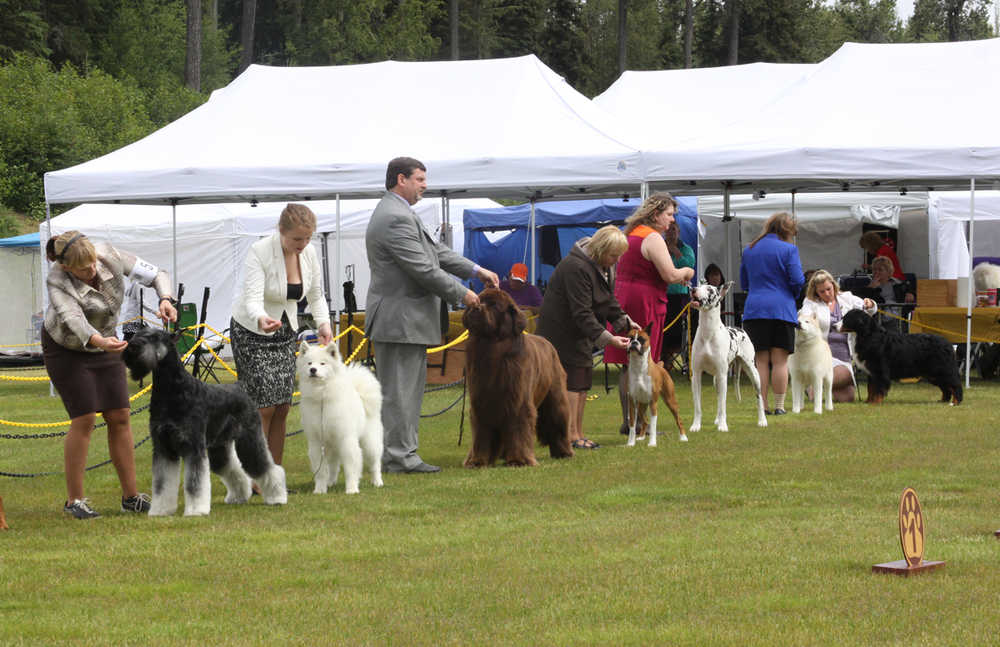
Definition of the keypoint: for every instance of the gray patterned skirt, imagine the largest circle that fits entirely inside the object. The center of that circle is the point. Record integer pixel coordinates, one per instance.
(265, 363)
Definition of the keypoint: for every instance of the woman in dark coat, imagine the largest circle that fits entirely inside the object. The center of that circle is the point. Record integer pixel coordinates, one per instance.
(578, 304)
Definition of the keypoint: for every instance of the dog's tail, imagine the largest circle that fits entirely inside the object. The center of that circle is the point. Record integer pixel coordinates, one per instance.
(738, 369)
(369, 389)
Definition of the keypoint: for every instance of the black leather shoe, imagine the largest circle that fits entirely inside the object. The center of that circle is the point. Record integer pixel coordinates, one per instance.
(780, 412)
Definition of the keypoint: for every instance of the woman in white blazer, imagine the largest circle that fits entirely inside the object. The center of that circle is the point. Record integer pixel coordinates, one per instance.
(279, 271)
(829, 304)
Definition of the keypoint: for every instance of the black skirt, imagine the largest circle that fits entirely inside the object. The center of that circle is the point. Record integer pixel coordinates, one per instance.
(86, 382)
(265, 364)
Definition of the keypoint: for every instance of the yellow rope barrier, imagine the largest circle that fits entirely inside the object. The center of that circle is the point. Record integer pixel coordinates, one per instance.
(34, 343)
(924, 327)
(16, 378)
(356, 351)
(224, 365)
(139, 394)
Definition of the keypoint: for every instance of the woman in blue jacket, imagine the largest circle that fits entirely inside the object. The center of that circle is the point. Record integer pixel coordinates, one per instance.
(771, 274)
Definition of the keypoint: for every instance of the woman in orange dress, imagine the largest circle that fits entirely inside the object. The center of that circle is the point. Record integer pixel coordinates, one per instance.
(643, 273)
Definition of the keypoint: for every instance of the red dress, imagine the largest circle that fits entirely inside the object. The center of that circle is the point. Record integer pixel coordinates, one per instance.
(641, 293)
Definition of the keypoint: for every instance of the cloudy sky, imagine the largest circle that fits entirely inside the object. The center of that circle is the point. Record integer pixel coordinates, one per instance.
(904, 8)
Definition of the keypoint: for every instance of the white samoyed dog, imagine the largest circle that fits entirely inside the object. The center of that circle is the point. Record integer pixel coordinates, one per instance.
(811, 365)
(342, 417)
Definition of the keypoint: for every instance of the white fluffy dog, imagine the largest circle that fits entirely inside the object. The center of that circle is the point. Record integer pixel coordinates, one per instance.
(811, 365)
(986, 276)
(342, 417)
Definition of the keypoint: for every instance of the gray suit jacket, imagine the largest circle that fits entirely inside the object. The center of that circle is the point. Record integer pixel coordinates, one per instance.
(410, 276)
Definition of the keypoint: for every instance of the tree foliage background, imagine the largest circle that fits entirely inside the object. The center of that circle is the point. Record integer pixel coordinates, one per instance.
(80, 78)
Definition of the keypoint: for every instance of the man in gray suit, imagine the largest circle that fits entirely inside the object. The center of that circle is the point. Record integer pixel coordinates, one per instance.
(410, 275)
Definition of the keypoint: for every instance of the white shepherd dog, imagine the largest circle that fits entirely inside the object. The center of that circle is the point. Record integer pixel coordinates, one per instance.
(342, 417)
(811, 365)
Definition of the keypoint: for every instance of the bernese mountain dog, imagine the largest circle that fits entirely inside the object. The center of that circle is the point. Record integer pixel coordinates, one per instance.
(886, 355)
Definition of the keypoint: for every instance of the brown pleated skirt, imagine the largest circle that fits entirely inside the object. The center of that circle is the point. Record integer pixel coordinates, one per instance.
(86, 382)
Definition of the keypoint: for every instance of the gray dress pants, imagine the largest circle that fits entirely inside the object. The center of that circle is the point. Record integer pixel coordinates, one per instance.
(402, 372)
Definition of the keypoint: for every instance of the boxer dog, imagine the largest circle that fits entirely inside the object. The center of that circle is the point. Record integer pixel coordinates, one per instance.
(647, 382)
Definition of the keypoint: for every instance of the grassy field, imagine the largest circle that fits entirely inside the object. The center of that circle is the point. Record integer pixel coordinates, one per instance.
(754, 537)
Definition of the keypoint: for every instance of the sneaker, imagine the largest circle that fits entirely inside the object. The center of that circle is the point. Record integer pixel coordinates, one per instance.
(80, 509)
(137, 503)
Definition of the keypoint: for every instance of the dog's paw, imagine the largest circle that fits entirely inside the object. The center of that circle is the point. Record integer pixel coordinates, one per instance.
(683, 438)
(195, 512)
(762, 422)
(694, 428)
(319, 489)
(377, 480)
(161, 512)
(722, 427)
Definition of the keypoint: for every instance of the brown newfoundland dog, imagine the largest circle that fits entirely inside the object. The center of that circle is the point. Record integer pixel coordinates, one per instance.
(517, 386)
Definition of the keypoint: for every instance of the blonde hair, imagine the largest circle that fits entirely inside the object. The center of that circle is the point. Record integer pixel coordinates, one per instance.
(72, 249)
(296, 215)
(606, 240)
(649, 210)
(883, 260)
(818, 278)
(871, 242)
(782, 223)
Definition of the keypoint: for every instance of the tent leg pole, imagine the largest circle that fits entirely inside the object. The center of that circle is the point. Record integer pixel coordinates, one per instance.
(533, 271)
(729, 247)
(173, 210)
(336, 272)
(969, 286)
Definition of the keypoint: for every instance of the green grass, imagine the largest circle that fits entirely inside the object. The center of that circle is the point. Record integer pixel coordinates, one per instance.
(754, 537)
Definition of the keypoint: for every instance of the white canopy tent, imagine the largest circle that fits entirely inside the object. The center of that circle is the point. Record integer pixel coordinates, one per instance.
(213, 240)
(501, 127)
(868, 117)
(949, 218)
(665, 107)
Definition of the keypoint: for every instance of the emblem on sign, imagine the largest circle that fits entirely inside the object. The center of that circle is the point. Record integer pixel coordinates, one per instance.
(911, 527)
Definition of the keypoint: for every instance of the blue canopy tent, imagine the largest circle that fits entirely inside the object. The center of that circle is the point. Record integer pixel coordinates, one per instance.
(559, 225)
(24, 240)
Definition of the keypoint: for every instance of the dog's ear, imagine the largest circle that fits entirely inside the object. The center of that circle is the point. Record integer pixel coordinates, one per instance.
(724, 290)
(649, 329)
(518, 321)
(333, 350)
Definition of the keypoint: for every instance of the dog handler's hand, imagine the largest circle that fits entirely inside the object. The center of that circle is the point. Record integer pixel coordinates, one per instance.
(108, 344)
(324, 334)
(267, 324)
(471, 298)
(620, 342)
(488, 277)
(167, 311)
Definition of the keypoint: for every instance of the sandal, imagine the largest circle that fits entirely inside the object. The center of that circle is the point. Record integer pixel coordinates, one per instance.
(584, 443)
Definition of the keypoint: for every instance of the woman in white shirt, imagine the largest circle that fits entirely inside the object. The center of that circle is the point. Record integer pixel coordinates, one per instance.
(279, 271)
(829, 304)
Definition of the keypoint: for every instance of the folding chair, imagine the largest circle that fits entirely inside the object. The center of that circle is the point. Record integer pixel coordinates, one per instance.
(205, 365)
(187, 315)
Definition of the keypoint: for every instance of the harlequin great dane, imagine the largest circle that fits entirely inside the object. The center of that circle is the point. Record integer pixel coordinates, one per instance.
(715, 348)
